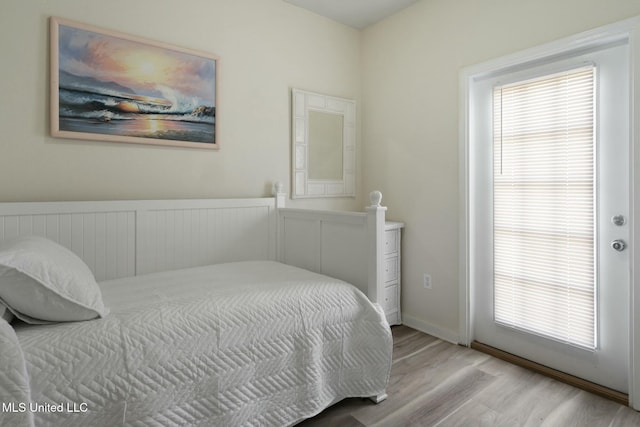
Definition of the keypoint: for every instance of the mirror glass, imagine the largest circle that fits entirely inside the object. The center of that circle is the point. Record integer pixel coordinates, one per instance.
(323, 146)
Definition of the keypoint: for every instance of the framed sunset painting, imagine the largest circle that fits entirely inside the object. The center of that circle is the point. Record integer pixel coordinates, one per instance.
(114, 87)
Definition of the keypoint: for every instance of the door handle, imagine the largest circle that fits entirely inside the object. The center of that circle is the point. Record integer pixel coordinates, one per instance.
(619, 245)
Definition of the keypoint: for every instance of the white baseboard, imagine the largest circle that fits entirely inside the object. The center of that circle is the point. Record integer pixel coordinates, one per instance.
(431, 329)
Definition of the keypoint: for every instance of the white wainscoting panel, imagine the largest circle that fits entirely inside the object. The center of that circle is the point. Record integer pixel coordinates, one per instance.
(300, 244)
(181, 238)
(343, 252)
(125, 238)
(104, 240)
(331, 243)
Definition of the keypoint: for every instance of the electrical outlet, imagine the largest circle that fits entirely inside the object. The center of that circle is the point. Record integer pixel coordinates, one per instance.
(427, 281)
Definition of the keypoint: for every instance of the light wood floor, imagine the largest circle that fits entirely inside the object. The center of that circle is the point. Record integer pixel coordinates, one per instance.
(435, 383)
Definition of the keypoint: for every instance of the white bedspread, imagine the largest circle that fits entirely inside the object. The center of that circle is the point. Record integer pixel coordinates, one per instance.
(252, 343)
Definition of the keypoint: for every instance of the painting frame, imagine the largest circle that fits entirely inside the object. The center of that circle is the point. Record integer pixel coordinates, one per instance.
(115, 87)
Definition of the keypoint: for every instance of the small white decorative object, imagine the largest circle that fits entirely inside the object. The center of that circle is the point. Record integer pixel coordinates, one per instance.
(278, 187)
(376, 198)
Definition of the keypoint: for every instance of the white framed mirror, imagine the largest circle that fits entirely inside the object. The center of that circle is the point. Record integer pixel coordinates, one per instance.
(323, 150)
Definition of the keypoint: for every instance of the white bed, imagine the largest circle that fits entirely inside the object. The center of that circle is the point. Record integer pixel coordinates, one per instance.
(254, 342)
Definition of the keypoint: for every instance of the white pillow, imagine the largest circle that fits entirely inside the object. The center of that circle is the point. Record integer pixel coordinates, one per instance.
(41, 280)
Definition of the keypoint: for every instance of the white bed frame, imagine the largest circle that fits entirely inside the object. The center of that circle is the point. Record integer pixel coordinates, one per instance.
(127, 238)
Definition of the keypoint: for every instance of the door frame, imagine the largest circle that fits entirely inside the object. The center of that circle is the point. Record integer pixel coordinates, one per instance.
(628, 31)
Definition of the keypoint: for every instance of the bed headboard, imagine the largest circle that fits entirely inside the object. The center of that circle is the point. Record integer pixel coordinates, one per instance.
(127, 238)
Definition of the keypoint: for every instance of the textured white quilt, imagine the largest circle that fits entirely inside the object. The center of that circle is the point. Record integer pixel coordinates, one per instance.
(252, 343)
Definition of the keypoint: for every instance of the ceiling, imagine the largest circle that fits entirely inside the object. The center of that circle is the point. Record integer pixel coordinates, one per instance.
(354, 13)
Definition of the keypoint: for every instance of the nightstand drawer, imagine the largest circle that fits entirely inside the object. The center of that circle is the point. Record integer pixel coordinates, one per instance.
(391, 241)
(391, 269)
(389, 287)
(390, 302)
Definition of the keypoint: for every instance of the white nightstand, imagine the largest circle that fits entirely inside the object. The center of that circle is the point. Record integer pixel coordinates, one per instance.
(392, 276)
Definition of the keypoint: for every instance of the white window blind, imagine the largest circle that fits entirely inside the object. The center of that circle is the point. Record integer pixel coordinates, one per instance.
(544, 204)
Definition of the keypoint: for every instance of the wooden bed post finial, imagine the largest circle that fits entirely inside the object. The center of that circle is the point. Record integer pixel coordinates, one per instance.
(376, 198)
(278, 192)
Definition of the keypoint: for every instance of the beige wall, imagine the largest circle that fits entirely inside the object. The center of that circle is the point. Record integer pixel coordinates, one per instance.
(265, 46)
(411, 64)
